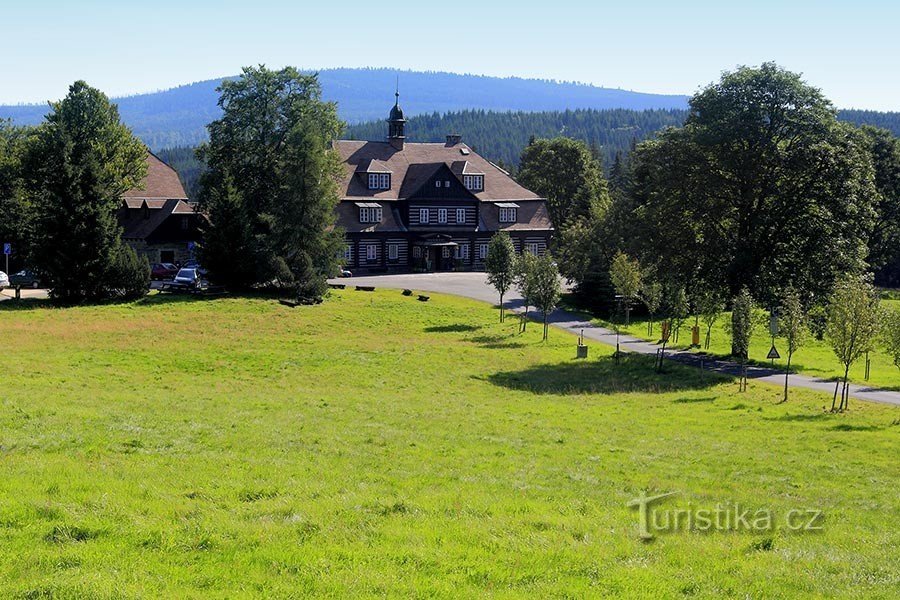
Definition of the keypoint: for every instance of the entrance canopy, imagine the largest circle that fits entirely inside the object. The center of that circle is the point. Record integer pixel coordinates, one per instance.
(435, 243)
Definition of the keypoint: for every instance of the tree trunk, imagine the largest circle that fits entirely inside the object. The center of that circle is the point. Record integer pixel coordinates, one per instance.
(501, 308)
(845, 399)
(787, 372)
(545, 326)
(834, 398)
(708, 335)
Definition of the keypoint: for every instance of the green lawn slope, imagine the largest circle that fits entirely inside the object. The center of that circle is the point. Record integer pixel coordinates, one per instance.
(376, 446)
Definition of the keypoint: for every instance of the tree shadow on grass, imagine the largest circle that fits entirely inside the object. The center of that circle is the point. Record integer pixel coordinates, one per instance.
(454, 328)
(497, 342)
(635, 373)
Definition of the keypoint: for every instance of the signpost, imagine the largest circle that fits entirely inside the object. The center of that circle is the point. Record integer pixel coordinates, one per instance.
(7, 250)
(773, 329)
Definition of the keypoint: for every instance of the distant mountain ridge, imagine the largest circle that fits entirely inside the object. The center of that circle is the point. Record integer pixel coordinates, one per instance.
(178, 117)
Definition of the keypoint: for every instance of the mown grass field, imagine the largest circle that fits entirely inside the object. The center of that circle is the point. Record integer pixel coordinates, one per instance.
(375, 446)
(815, 357)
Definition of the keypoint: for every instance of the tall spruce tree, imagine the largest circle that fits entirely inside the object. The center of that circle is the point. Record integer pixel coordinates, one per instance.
(270, 190)
(78, 165)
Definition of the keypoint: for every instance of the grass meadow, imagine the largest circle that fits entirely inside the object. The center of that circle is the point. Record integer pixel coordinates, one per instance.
(815, 357)
(376, 446)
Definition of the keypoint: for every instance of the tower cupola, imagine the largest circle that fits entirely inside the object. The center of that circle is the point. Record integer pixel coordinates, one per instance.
(397, 124)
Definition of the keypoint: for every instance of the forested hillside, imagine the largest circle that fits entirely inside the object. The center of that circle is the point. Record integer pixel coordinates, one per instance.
(501, 136)
(178, 117)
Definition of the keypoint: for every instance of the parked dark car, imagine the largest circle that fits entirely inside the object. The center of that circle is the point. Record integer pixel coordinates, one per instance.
(187, 278)
(26, 278)
(163, 271)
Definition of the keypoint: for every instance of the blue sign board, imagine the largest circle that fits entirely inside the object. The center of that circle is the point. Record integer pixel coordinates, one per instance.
(7, 248)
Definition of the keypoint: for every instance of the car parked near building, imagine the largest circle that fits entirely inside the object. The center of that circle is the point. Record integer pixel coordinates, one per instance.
(162, 271)
(187, 279)
(25, 278)
(4, 280)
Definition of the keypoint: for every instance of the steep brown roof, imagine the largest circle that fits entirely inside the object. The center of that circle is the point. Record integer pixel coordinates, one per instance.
(161, 182)
(531, 215)
(413, 165)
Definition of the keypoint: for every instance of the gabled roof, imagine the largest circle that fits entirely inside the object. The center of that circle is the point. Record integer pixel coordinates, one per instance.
(161, 182)
(140, 217)
(412, 166)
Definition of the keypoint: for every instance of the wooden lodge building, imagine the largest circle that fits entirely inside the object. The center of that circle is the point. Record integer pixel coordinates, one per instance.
(430, 206)
(157, 218)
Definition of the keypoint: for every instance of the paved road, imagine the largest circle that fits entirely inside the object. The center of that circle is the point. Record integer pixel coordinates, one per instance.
(474, 285)
(9, 294)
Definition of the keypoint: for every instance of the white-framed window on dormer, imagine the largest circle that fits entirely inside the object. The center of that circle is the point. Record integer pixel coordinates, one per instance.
(442, 215)
(423, 216)
(474, 183)
(461, 216)
(370, 214)
(507, 215)
(379, 181)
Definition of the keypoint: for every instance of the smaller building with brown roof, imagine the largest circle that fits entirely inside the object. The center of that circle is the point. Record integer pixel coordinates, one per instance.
(430, 206)
(157, 218)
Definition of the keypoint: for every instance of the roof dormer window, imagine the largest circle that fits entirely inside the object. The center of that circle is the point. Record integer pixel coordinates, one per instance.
(379, 181)
(474, 183)
(508, 212)
(370, 212)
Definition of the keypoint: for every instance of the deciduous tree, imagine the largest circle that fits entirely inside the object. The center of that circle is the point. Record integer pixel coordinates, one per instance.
(625, 274)
(564, 171)
(760, 186)
(742, 326)
(500, 265)
(853, 326)
(792, 327)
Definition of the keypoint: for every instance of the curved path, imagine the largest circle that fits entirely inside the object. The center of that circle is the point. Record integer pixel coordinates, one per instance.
(474, 285)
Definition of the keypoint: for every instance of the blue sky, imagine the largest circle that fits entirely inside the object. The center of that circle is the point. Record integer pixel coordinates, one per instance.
(849, 49)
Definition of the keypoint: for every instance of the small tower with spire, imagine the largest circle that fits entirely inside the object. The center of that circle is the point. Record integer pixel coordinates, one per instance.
(396, 123)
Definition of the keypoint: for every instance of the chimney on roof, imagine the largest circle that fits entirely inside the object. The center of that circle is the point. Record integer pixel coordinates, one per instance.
(453, 139)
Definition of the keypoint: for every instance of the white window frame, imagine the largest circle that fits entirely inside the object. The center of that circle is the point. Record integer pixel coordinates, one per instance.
(370, 215)
(348, 252)
(447, 183)
(371, 252)
(437, 183)
(442, 215)
(464, 251)
(445, 251)
(474, 183)
(417, 252)
(482, 251)
(507, 215)
(533, 248)
(424, 216)
(393, 251)
(460, 216)
(379, 181)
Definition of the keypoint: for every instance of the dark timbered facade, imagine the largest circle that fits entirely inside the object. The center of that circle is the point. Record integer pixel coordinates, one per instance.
(430, 207)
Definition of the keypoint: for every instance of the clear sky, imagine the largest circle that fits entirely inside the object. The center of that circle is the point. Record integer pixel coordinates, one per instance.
(850, 49)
